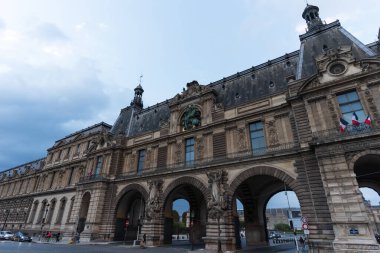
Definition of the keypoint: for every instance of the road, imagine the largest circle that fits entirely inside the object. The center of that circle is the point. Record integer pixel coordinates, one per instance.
(19, 247)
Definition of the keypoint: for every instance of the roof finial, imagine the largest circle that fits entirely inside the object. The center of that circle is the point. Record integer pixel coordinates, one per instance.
(311, 15)
(141, 76)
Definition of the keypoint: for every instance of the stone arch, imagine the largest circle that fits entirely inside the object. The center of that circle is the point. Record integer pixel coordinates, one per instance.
(185, 180)
(129, 204)
(263, 171)
(356, 157)
(368, 180)
(136, 187)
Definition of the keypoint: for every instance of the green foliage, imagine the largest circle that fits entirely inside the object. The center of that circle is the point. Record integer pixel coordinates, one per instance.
(282, 227)
(175, 216)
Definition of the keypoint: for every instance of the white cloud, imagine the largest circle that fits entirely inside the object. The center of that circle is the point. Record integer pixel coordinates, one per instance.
(102, 26)
(79, 27)
(4, 68)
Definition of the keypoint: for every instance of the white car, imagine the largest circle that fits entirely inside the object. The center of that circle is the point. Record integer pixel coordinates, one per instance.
(6, 235)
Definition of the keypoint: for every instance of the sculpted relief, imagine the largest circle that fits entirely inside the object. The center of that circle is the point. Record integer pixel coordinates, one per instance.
(219, 199)
(154, 202)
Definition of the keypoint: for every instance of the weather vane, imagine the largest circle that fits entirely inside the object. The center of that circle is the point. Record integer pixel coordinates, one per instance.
(141, 76)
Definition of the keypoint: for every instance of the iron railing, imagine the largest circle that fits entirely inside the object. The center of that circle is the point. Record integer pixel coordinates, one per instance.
(93, 178)
(209, 161)
(351, 130)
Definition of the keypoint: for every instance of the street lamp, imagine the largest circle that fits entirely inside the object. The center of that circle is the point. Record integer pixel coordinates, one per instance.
(219, 242)
(26, 216)
(43, 219)
(192, 215)
(6, 212)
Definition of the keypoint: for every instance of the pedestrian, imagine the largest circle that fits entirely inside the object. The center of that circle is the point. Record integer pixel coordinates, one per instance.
(142, 244)
(57, 236)
(49, 235)
(302, 242)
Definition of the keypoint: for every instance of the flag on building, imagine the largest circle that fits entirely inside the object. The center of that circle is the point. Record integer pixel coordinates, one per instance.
(343, 124)
(367, 120)
(355, 119)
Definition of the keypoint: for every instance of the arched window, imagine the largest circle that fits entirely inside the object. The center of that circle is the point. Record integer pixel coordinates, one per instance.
(70, 209)
(61, 210)
(42, 210)
(51, 211)
(34, 211)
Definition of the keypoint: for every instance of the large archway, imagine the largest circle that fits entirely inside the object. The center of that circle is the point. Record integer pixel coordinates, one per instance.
(193, 192)
(367, 170)
(130, 210)
(254, 188)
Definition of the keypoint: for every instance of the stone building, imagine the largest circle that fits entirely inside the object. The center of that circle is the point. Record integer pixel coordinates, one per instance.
(272, 127)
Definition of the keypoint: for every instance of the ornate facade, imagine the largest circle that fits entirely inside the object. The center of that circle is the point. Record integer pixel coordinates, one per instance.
(272, 127)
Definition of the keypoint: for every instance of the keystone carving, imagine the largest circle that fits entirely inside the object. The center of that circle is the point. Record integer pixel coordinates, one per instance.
(153, 208)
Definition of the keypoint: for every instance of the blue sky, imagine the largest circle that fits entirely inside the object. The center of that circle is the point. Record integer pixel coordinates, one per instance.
(69, 64)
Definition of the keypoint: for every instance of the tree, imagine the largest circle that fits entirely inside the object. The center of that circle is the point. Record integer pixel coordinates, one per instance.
(282, 227)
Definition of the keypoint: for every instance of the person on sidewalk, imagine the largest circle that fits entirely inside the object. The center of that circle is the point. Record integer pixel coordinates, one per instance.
(57, 236)
(143, 242)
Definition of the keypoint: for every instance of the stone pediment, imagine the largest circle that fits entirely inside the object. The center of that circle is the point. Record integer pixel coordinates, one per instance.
(193, 90)
(335, 64)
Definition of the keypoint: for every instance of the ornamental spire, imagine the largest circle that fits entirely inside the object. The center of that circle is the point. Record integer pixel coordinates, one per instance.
(311, 15)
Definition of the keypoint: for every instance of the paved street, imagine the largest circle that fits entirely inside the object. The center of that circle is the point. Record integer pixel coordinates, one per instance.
(18, 247)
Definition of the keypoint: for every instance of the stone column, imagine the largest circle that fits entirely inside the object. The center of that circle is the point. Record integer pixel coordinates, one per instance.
(153, 225)
(352, 228)
(220, 233)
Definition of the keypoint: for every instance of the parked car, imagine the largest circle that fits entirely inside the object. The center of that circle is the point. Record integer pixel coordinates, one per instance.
(21, 237)
(274, 235)
(6, 235)
(377, 236)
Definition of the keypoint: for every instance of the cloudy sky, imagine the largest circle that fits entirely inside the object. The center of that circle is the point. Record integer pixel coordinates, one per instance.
(68, 64)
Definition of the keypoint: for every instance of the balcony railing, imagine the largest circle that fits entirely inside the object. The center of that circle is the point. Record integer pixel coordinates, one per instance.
(209, 161)
(93, 178)
(351, 130)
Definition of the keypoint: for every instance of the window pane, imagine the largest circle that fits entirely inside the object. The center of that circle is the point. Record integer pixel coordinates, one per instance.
(356, 106)
(257, 136)
(189, 150)
(352, 96)
(342, 99)
(345, 108)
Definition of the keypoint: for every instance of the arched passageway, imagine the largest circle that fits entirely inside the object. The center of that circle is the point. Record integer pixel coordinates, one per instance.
(367, 170)
(129, 215)
(197, 213)
(254, 193)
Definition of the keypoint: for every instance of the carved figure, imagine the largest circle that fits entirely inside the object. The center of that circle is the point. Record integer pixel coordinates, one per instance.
(154, 202)
(191, 118)
(219, 199)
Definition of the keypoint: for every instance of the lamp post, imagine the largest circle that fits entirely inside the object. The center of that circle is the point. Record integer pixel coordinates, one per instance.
(43, 219)
(219, 242)
(26, 216)
(192, 229)
(6, 212)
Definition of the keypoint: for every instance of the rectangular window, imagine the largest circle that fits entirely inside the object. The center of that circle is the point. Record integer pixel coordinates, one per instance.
(77, 151)
(189, 151)
(256, 131)
(140, 162)
(349, 103)
(70, 176)
(99, 163)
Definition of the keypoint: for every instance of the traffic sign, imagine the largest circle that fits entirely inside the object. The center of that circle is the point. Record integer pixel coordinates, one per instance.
(306, 232)
(304, 219)
(305, 227)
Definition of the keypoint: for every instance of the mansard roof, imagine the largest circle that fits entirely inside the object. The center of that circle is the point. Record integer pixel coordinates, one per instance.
(23, 169)
(97, 128)
(313, 43)
(255, 83)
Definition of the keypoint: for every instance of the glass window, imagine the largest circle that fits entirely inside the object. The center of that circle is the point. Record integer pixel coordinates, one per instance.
(99, 163)
(257, 136)
(189, 151)
(140, 163)
(349, 103)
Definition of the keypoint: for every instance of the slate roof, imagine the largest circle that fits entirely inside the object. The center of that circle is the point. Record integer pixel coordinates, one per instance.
(20, 170)
(99, 127)
(255, 83)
